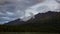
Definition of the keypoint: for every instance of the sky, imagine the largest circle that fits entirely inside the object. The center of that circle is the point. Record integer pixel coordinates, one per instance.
(25, 9)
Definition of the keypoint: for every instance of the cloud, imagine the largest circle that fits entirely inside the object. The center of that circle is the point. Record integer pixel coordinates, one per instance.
(48, 5)
(14, 9)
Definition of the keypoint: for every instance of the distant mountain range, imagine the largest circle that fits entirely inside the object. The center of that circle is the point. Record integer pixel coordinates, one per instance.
(41, 18)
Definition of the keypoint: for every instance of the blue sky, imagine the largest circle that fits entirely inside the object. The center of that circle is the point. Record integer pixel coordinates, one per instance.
(24, 9)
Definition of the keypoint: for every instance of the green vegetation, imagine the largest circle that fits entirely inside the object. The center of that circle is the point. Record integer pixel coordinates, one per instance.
(28, 29)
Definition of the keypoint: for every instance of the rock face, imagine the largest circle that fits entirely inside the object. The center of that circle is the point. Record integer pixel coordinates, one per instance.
(41, 18)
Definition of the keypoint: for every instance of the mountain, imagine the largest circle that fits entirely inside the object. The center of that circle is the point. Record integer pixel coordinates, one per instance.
(41, 18)
(15, 22)
(48, 18)
(43, 22)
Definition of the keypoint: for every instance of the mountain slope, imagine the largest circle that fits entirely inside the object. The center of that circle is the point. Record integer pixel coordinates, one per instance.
(43, 22)
(15, 22)
(52, 18)
(41, 18)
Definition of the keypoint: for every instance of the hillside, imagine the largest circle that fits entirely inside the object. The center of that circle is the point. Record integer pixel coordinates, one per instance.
(46, 18)
(43, 22)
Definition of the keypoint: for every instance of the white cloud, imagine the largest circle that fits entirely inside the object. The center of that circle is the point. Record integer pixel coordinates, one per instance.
(48, 5)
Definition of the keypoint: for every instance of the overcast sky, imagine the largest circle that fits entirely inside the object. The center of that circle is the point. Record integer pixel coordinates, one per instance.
(24, 9)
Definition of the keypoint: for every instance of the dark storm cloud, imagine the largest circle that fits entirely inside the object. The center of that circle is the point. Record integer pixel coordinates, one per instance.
(12, 9)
